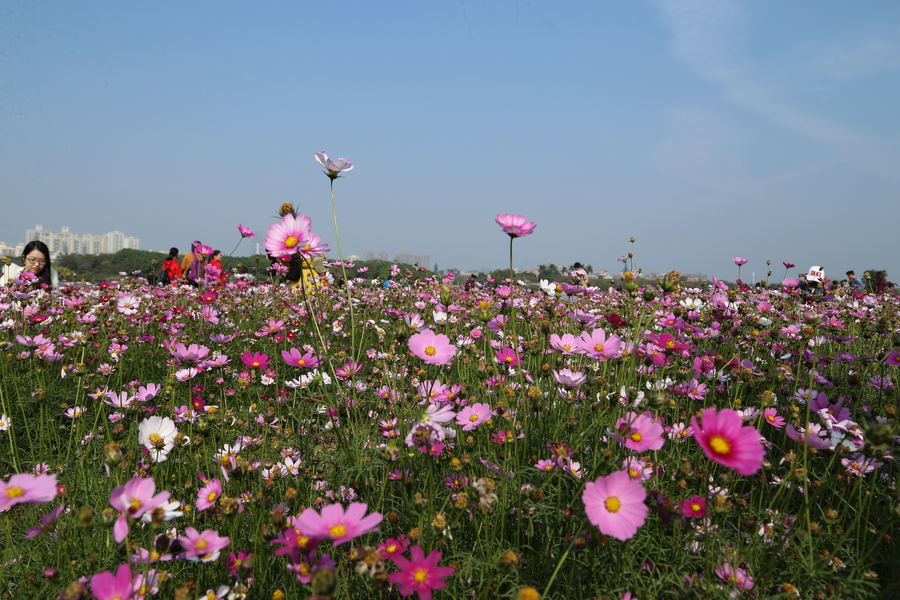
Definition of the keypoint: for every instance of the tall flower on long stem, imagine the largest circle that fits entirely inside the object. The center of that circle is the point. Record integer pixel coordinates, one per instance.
(514, 226)
(333, 169)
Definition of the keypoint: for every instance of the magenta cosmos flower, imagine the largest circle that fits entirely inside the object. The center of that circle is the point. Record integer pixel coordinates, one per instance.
(727, 441)
(337, 524)
(615, 504)
(287, 236)
(106, 586)
(333, 167)
(420, 574)
(27, 488)
(246, 232)
(739, 261)
(433, 348)
(515, 225)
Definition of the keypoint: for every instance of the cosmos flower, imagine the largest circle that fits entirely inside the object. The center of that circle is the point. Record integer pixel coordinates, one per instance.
(337, 524)
(615, 504)
(133, 500)
(157, 435)
(420, 574)
(245, 232)
(208, 494)
(726, 440)
(739, 261)
(515, 225)
(433, 348)
(287, 236)
(27, 488)
(202, 547)
(474, 415)
(106, 586)
(333, 167)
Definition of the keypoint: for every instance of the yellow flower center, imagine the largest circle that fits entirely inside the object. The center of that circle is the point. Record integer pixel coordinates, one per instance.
(636, 436)
(291, 241)
(420, 575)
(392, 548)
(633, 473)
(211, 496)
(337, 530)
(473, 418)
(301, 362)
(567, 347)
(302, 541)
(154, 555)
(612, 504)
(135, 504)
(598, 347)
(14, 492)
(201, 545)
(157, 440)
(695, 507)
(430, 350)
(720, 445)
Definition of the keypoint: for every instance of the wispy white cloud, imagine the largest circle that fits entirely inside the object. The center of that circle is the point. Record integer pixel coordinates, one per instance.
(706, 38)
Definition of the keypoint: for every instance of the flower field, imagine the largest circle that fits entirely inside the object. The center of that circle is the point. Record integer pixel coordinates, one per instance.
(505, 442)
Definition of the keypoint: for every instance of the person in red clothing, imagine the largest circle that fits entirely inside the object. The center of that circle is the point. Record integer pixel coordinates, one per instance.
(216, 262)
(171, 266)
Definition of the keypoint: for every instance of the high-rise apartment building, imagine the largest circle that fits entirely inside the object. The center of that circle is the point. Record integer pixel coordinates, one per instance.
(69, 242)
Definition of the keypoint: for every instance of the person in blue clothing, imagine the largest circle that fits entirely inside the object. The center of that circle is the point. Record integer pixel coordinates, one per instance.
(855, 284)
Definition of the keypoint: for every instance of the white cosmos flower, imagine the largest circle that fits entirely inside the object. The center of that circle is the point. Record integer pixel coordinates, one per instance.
(157, 434)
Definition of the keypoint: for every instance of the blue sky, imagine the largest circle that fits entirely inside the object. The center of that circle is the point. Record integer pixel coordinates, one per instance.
(706, 129)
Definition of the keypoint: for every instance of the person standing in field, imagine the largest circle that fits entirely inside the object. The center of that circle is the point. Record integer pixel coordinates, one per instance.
(171, 268)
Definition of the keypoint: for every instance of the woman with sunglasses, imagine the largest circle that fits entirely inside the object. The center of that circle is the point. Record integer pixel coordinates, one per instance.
(35, 260)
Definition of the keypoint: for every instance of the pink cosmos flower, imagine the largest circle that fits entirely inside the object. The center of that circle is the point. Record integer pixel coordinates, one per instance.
(337, 524)
(25, 487)
(192, 353)
(640, 432)
(333, 166)
(433, 348)
(596, 345)
(295, 359)
(615, 504)
(420, 574)
(771, 416)
(106, 586)
(208, 494)
(735, 576)
(565, 343)
(809, 435)
(245, 232)
(47, 522)
(569, 378)
(474, 415)
(507, 356)
(393, 547)
(515, 225)
(134, 499)
(287, 236)
(739, 261)
(726, 440)
(255, 360)
(202, 547)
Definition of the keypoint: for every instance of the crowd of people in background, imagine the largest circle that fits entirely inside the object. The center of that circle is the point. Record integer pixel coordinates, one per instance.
(202, 260)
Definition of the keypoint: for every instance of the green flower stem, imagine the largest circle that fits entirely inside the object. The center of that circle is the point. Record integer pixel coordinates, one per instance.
(344, 273)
